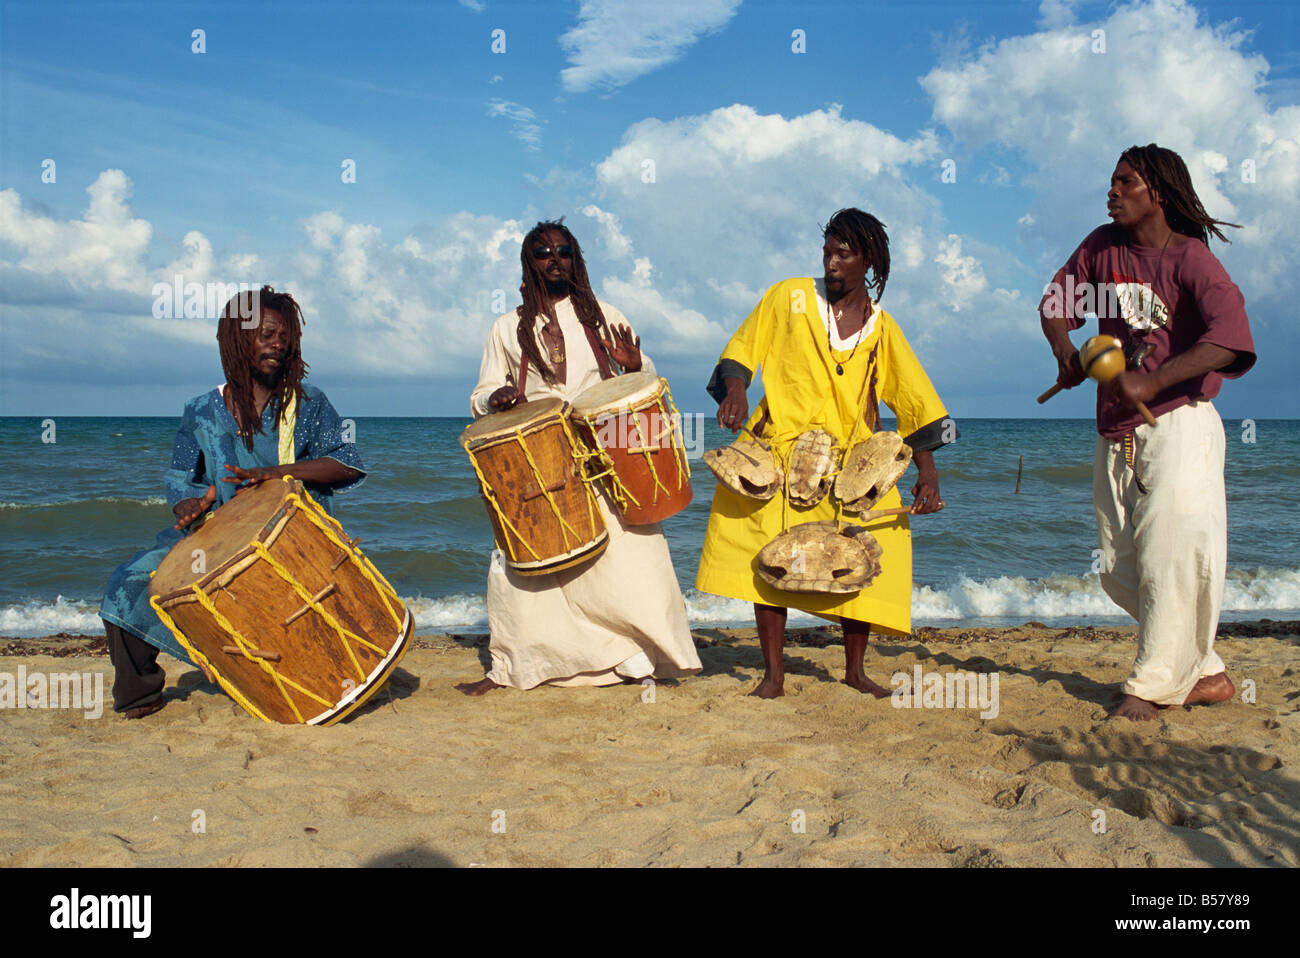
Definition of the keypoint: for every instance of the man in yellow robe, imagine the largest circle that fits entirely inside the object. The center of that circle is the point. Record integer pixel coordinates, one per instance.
(829, 356)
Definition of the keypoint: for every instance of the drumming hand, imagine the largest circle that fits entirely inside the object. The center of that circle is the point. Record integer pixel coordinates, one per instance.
(926, 490)
(504, 398)
(734, 410)
(626, 349)
(187, 510)
(250, 476)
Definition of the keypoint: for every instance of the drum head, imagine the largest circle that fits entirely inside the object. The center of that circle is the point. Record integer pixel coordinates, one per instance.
(242, 520)
(615, 395)
(522, 416)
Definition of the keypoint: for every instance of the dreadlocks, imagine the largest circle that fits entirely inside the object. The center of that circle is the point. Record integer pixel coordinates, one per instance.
(1165, 173)
(537, 303)
(238, 342)
(866, 235)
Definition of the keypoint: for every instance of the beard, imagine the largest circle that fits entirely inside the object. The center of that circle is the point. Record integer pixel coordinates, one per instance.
(269, 380)
(557, 287)
(836, 292)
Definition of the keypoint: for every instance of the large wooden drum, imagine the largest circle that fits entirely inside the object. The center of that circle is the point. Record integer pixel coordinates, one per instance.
(543, 513)
(284, 610)
(634, 434)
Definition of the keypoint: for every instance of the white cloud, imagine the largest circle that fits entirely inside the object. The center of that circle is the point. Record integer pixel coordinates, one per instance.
(617, 41)
(615, 241)
(524, 126)
(962, 276)
(106, 248)
(1166, 76)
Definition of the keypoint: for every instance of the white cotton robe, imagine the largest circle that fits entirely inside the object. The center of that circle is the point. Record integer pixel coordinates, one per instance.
(619, 616)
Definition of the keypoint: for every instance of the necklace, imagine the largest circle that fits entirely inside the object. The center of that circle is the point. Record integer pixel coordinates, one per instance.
(830, 318)
(557, 349)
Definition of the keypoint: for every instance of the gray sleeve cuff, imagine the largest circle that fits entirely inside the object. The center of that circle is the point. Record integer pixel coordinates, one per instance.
(726, 369)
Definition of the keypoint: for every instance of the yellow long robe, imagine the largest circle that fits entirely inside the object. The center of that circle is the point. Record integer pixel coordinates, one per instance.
(786, 337)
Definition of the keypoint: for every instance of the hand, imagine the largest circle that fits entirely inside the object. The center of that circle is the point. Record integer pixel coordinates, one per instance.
(625, 348)
(1069, 371)
(1132, 387)
(251, 476)
(187, 510)
(926, 493)
(734, 410)
(505, 398)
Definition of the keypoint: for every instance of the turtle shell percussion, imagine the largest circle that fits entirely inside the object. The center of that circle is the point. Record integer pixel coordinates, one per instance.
(745, 467)
(813, 460)
(871, 469)
(817, 557)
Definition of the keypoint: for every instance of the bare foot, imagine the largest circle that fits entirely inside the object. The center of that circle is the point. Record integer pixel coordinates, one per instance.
(481, 687)
(1132, 707)
(864, 684)
(1211, 689)
(770, 688)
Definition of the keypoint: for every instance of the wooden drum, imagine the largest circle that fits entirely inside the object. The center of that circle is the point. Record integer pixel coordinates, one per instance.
(634, 435)
(273, 599)
(543, 514)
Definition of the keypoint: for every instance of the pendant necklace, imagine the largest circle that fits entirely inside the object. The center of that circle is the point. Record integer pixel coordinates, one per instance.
(830, 318)
(557, 352)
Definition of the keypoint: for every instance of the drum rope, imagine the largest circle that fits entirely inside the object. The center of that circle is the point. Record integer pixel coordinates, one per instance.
(645, 454)
(203, 661)
(307, 597)
(585, 454)
(244, 645)
(574, 445)
(486, 488)
(676, 420)
(541, 484)
(367, 569)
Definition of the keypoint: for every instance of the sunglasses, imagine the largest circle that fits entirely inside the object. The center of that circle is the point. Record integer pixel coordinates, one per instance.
(545, 252)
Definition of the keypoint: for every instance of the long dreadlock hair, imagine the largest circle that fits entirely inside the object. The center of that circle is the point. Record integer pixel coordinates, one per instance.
(866, 235)
(237, 339)
(537, 303)
(1165, 172)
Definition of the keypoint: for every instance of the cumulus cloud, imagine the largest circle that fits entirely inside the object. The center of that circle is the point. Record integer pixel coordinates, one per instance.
(1166, 76)
(616, 41)
(105, 248)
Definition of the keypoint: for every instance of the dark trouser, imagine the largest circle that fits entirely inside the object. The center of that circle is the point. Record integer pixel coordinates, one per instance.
(137, 679)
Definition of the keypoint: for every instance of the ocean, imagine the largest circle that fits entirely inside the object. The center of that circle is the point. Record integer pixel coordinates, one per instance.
(74, 508)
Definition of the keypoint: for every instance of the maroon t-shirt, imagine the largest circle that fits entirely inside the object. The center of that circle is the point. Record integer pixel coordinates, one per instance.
(1171, 299)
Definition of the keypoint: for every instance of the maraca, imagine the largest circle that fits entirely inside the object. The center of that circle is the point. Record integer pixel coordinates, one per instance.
(1102, 359)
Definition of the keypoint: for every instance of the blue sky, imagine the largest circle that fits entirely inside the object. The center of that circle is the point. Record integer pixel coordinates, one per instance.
(225, 166)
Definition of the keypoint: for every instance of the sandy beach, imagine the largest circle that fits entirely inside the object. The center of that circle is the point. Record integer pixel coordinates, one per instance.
(691, 773)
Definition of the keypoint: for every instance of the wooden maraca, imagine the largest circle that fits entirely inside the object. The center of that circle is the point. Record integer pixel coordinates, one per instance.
(1102, 359)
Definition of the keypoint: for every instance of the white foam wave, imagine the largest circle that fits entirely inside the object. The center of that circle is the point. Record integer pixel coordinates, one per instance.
(35, 618)
(966, 601)
(146, 501)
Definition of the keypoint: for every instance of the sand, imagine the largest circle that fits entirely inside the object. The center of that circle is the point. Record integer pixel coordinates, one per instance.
(688, 773)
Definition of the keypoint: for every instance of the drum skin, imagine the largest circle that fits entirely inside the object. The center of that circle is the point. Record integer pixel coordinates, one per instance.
(629, 424)
(290, 616)
(545, 526)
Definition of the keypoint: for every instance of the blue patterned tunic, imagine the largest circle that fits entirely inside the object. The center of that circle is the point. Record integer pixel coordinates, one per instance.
(207, 440)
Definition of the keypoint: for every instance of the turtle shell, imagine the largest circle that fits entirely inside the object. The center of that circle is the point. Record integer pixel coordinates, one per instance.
(746, 468)
(816, 557)
(871, 469)
(813, 458)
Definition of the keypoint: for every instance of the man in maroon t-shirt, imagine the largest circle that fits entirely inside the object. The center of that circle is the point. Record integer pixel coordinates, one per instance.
(1159, 492)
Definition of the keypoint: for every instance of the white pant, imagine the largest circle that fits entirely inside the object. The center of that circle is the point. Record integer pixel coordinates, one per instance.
(1166, 549)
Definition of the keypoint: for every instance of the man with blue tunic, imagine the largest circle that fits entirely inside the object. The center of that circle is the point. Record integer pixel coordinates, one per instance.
(263, 423)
